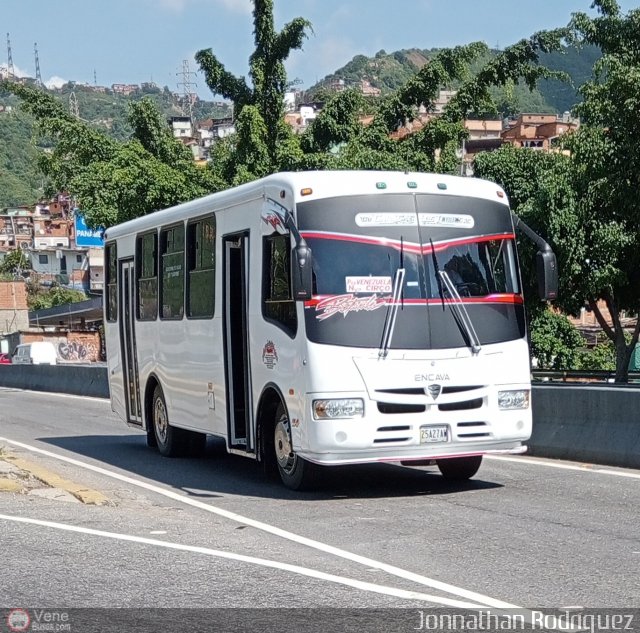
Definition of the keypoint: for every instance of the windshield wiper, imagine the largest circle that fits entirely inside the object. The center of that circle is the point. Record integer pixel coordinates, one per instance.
(460, 311)
(436, 268)
(392, 313)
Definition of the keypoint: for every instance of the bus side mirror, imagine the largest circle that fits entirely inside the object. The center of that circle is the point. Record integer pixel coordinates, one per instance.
(547, 272)
(302, 278)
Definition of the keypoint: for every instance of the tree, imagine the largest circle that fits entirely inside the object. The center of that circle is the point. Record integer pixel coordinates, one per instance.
(266, 69)
(606, 171)
(555, 342)
(586, 204)
(114, 181)
(14, 262)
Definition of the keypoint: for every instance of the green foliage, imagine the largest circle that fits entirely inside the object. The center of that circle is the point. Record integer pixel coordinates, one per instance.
(39, 299)
(20, 179)
(14, 262)
(587, 204)
(555, 342)
(266, 69)
(600, 358)
(114, 181)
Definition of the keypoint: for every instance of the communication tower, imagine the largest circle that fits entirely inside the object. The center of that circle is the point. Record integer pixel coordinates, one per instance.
(188, 88)
(10, 69)
(38, 75)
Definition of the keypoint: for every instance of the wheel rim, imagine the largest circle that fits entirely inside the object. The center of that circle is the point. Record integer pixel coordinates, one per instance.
(284, 453)
(160, 421)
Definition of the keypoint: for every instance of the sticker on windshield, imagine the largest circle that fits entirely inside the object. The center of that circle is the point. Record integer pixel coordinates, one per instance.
(370, 285)
(343, 304)
(451, 220)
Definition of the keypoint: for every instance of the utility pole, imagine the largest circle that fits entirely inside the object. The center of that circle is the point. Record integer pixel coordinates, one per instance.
(95, 78)
(10, 69)
(188, 88)
(38, 75)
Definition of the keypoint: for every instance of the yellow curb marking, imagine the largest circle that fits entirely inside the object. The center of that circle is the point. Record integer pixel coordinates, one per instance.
(82, 493)
(9, 485)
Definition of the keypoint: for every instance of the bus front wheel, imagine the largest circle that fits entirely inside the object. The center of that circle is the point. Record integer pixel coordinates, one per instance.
(296, 473)
(459, 468)
(169, 440)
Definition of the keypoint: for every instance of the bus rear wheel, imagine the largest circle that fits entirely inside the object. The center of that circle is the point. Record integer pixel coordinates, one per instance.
(169, 440)
(296, 473)
(459, 468)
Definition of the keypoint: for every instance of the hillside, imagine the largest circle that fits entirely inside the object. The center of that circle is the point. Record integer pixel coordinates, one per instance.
(388, 71)
(21, 182)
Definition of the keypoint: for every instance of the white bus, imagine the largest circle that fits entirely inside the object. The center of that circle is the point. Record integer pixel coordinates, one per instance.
(320, 318)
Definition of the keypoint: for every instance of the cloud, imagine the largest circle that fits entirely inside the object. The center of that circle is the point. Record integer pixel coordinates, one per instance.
(18, 72)
(235, 6)
(55, 82)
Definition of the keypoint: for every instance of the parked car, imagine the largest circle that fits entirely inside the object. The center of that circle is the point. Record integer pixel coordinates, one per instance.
(36, 353)
(5, 359)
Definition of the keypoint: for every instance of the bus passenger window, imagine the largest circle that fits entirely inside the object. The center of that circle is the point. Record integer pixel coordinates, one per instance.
(147, 276)
(201, 260)
(172, 279)
(112, 282)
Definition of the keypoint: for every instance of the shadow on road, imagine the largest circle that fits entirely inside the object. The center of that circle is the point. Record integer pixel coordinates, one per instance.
(219, 474)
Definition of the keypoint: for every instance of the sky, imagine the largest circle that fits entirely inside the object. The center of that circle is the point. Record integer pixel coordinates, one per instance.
(133, 41)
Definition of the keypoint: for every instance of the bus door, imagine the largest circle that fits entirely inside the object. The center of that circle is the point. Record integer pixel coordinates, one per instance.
(128, 342)
(236, 341)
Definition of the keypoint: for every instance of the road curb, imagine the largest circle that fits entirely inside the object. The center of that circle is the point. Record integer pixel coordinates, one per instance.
(86, 495)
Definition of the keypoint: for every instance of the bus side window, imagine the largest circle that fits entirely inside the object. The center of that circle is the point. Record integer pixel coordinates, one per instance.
(201, 262)
(278, 305)
(147, 276)
(172, 277)
(112, 282)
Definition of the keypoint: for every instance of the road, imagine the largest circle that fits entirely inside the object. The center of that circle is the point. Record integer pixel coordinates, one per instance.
(212, 532)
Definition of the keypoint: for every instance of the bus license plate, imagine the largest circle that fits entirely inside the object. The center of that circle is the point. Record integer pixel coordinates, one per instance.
(432, 434)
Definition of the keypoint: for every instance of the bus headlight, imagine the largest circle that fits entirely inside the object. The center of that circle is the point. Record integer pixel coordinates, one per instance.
(334, 409)
(517, 399)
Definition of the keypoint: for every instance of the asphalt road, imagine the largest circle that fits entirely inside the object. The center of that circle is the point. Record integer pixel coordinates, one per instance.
(212, 532)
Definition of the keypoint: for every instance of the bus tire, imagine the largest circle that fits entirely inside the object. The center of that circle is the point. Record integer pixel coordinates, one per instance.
(169, 440)
(152, 442)
(296, 473)
(459, 468)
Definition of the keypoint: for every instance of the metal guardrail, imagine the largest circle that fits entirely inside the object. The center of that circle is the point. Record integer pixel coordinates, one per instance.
(577, 375)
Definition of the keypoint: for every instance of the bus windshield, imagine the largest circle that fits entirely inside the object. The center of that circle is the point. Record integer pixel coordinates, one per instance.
(353, 280)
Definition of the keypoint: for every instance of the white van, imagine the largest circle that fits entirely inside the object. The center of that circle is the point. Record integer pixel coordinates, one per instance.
(36, 353)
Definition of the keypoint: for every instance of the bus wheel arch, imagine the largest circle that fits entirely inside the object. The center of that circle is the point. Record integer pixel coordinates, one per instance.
(275, 445)
(270, 399)
(150, 388)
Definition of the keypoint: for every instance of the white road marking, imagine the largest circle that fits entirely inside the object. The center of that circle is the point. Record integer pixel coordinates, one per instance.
(459, 592)
(583, 468)
(296, 569)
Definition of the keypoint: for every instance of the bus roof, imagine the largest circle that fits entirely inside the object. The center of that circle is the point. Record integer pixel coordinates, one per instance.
(313, 185)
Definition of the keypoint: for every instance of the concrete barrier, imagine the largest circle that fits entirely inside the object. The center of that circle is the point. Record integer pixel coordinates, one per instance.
(579, 422)
(587, 423)
(80, 380)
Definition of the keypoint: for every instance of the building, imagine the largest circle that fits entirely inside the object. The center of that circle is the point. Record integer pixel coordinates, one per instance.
(537, 131)
(14, 312)
(181, 127)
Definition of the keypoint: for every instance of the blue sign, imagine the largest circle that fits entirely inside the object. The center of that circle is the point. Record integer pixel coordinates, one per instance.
(86, 236)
